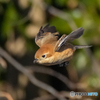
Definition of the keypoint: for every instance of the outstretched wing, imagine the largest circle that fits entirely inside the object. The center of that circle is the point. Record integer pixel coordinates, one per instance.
(73, 35)
(48, 34)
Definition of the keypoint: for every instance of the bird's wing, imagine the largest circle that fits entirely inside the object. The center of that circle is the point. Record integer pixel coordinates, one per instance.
(47, 34)
(58, 43)
(73, 35)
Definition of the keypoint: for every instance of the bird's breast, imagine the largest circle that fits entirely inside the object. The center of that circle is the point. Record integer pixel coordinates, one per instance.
(59, 57)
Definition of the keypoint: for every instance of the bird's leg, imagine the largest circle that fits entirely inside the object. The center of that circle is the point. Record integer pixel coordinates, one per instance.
(61, 65)
(64, 64)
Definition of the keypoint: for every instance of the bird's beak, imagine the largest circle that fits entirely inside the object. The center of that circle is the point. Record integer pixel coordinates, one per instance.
(35, 60)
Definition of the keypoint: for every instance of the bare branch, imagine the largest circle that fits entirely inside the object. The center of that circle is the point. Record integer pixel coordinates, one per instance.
(53, 73)
(31, 77)
(45, 97)
(66, 94)
(7, 95)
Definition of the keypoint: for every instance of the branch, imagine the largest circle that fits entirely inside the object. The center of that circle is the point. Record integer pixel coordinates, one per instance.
(66, 94)
(45, 97)
(7, 95)
(53, 73)
(50, 97)
(31, 77)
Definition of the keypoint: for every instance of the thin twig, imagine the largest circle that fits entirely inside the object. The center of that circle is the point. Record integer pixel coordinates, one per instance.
(7, 95)
(66, 94)
(31, 77)
(45, 97)
(53, 73)
(58, 75)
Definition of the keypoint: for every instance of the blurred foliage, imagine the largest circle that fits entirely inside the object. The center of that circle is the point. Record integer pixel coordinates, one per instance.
(20, 21)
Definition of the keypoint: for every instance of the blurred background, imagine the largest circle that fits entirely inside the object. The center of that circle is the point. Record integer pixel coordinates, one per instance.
(20, 21)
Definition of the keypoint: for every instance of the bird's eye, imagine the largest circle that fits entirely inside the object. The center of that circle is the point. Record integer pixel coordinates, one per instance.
(43, 56)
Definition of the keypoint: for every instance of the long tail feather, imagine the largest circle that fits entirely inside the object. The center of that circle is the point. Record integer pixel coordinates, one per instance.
(82, 46)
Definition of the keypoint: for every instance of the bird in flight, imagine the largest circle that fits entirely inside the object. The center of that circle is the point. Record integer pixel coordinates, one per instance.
(53, 48)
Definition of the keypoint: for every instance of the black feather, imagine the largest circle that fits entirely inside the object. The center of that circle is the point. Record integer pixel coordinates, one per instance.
(51, 29)
(75, 34)
(44, 29)
(46, 26)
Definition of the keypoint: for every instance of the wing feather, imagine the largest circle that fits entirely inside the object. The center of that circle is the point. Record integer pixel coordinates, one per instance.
(46, 34)
(73, 35)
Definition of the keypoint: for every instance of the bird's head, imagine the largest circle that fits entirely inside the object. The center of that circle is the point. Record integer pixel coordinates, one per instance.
(43, 54)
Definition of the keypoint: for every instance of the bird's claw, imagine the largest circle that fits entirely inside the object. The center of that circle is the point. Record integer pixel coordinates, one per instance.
(64, 64)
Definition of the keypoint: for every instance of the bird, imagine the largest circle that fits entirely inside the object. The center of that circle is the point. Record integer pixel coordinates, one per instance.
(55, 49)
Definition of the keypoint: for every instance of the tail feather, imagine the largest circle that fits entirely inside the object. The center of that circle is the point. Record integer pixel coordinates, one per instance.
(82, 46)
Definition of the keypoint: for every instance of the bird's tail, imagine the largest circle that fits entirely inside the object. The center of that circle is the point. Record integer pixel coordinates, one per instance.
(82, 46)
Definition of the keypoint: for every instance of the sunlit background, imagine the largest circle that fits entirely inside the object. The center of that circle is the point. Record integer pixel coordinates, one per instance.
(20, 21)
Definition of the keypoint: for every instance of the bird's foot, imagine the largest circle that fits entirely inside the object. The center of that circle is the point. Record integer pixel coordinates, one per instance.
(64, 64)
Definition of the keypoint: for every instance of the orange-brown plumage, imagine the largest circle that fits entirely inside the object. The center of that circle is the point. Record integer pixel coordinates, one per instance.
(47, 48)
(54, 50)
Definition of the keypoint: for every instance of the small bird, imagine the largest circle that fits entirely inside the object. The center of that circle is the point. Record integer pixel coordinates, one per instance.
(53, 48)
